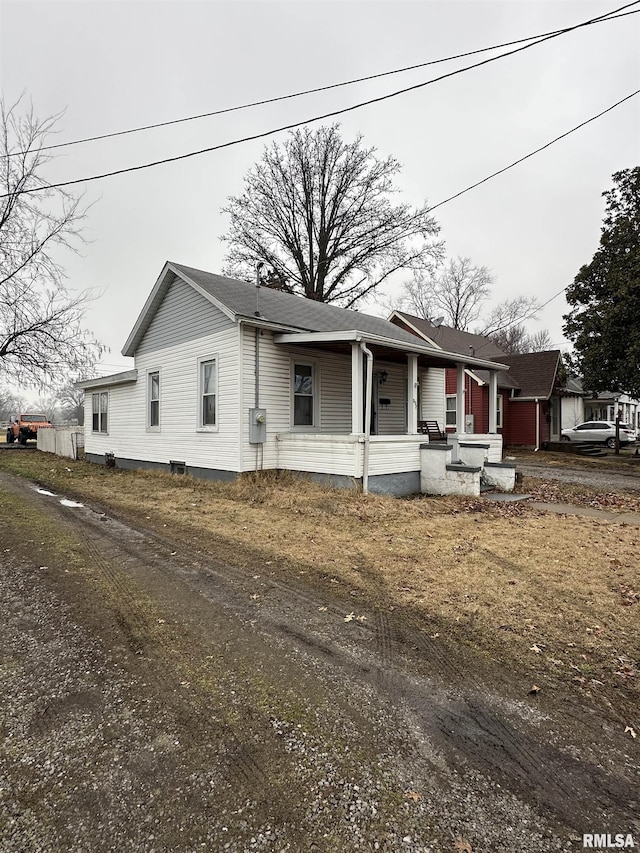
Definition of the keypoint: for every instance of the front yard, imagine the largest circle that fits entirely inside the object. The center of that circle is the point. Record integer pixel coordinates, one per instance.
(555, 599)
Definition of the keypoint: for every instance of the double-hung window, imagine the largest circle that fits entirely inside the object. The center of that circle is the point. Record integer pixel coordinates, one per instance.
(100, 411)
(303, 394)
(208, 380)
(451, 411)
(153, 397)
(499, 411)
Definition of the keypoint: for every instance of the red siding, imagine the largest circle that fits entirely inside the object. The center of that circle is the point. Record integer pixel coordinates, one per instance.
(520, 423)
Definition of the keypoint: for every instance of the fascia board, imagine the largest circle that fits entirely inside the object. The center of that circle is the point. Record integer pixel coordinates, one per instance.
(391, 343)
(113, 379)
(416, 330)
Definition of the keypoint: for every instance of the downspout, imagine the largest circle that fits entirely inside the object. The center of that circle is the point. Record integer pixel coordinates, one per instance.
(367, 418)
(257, 314)
(537, 424)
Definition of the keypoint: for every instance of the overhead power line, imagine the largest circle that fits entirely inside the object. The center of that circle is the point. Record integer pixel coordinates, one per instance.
(537, 151)
(312, 119)
(608, 17)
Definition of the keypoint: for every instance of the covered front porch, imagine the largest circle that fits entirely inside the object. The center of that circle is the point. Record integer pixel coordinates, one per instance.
(392, 389)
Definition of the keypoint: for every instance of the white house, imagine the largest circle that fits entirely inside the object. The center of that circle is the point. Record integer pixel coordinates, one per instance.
(229, 378)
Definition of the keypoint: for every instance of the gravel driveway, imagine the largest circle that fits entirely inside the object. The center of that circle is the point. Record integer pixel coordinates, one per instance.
(156, 700)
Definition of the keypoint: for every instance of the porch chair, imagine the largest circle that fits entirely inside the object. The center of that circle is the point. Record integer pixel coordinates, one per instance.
(432, 429)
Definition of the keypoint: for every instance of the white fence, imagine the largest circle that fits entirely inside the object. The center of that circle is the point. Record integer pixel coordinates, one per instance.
(63, 441)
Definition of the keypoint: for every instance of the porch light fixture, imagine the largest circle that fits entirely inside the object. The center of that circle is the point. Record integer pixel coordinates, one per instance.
(383, 377)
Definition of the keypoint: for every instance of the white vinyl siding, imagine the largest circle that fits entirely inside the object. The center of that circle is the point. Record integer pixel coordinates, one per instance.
(432, 387)
(333, 381)
(180, 437)
(392, 418)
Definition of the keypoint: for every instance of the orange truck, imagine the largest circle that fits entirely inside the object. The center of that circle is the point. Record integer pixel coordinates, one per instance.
(24, 427)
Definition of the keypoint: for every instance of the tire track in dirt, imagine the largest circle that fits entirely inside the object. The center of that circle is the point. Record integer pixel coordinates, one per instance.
(119, 566)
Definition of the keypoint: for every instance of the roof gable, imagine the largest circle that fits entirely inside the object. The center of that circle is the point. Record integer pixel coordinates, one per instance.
(535, 372)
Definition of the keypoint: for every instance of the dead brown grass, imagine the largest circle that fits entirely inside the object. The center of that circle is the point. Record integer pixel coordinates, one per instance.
(557, 597)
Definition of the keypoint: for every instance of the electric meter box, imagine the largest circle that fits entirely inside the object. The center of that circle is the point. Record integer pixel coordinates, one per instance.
(257, 426)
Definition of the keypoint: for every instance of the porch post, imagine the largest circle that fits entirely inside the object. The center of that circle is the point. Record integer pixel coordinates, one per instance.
(460, 400)
(412, 394)
(357, 390)
(493, 401)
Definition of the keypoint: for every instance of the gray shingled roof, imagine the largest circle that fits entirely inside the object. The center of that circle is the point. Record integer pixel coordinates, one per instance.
(289, 310)
(454, 340)
(535, 372)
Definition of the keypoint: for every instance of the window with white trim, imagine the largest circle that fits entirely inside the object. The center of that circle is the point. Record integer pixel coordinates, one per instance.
(153, 397)
(100, 411)
(451, 412)
(499, 411)
(208, 405)
(303, 394)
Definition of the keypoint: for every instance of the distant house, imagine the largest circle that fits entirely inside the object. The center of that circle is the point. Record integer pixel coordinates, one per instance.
(532, 402)
(230, 378)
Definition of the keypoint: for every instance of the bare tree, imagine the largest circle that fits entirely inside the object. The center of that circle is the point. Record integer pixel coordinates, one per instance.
(319, 212)
(71, 402)
(456, 293)
(41, 332)
(10, 404)
(508, 314)
(516, 339)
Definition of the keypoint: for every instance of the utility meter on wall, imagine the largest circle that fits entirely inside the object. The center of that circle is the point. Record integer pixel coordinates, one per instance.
(257, 426)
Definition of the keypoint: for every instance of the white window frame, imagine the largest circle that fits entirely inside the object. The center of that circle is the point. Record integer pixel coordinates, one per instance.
(200, 425)
(448, 411)
(499, 410)
(315, 395)
(151, 373)
(100, 395)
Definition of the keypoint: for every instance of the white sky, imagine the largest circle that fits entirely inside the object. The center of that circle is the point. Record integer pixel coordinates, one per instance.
(115, 65)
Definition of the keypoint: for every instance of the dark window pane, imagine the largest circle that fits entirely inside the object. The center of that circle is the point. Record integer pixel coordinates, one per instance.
(303, 411)
(209, 410)
(96, 422)
(154, 413)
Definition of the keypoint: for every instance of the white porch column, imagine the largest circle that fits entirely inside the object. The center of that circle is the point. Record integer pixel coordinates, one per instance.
(357, 390)
(460, 400)
(493, 401)
(412, 394)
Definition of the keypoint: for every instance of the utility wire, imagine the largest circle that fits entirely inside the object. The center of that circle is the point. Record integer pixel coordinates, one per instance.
(290, 96)
(532, 153)
(313, 118)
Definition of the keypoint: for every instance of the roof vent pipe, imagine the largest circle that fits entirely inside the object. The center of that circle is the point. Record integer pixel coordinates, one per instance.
(259, 266)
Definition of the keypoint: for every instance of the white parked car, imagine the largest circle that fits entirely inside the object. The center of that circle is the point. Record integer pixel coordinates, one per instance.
(599, 432)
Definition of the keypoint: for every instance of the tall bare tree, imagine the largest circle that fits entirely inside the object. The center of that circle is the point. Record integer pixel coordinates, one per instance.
(318, 210)
(456, 293)
(41, 334)
(516, 339)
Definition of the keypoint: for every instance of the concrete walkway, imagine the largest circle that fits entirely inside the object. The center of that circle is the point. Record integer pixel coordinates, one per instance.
(588, 512)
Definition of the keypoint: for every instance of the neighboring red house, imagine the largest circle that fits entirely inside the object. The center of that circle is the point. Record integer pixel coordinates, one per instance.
(529, 393)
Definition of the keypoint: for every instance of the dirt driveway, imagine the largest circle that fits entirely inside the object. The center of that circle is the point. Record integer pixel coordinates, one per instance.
(156, 699)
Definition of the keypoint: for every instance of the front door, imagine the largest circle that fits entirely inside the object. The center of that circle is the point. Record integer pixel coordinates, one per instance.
(374, 401)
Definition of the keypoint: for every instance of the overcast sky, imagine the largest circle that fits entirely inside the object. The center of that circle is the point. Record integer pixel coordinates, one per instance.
(116, 65)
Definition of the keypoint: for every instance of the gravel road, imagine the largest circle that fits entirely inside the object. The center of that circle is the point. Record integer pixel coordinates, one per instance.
(598, 478)
(156, 700)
